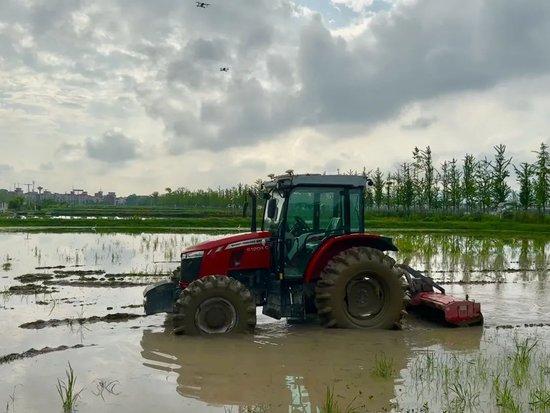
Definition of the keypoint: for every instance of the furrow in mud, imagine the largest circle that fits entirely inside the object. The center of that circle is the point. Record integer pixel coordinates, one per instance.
(34, 352)
(96, 283)
(54, 322)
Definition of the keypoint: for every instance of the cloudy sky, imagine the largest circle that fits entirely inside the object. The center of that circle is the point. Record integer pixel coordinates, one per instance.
(127, 95)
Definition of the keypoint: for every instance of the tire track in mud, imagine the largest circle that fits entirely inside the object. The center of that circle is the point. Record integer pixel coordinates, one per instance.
(55, 322)
(34, 352)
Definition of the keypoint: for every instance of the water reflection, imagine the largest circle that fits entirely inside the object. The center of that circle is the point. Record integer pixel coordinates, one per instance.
(289, 369)
(460, 258)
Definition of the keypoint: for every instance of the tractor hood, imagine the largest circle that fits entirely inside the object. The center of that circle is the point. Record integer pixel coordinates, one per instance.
(232, 241)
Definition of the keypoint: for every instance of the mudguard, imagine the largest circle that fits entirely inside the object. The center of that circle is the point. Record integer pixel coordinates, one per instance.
(160, 297)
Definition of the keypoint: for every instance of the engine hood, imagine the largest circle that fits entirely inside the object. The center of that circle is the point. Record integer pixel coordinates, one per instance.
(232, 239)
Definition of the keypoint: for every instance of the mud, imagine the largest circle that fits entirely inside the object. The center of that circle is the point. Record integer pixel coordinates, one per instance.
(95, 283)
(79, 272)
(31, 278)
(109, 318)
(30, 289)
(33, 352)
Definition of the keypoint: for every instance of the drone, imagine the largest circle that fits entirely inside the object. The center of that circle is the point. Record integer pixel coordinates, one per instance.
(202, 5)
(224, 69)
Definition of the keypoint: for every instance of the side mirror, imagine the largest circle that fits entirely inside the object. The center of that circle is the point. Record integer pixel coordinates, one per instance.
(271, 208)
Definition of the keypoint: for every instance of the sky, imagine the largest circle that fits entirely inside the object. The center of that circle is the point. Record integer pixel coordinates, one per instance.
(128, 96)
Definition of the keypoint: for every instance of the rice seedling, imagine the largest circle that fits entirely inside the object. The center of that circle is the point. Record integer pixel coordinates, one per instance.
(10, 404)
(521, 360)
(465, 398)
(383, 366)
(67, 391)
(539, 399)
(330, 405)
(504, 397)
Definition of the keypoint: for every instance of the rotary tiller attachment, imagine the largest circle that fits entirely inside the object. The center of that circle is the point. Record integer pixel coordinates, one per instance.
(439, 306)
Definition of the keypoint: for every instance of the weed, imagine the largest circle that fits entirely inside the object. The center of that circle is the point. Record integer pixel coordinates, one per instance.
(383, 367)
(67, 391)
(539, 399)
(106, 385)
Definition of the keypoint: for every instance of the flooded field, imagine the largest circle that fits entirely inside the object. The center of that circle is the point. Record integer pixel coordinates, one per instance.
(76, 298)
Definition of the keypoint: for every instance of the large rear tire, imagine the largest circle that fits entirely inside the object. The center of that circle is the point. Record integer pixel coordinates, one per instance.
(359, 288)
(214, 305)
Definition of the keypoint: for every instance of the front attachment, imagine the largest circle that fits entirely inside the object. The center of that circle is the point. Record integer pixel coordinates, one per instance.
(160, 297)
(439, 306)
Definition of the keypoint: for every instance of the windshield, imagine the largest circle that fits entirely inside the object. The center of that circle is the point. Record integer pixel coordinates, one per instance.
(271, 224)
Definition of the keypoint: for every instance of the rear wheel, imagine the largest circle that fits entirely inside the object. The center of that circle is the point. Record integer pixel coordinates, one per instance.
(214, 305)
(359, 288)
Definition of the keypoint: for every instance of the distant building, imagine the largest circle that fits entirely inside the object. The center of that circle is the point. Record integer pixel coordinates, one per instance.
(3, 206)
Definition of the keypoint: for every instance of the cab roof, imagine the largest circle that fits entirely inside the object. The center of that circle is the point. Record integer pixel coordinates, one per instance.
(316, 180)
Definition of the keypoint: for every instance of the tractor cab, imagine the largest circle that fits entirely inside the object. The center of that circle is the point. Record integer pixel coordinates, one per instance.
(303, 211)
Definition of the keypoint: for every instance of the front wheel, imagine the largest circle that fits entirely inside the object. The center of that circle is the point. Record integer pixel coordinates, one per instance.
(214, 305)
(359, 288)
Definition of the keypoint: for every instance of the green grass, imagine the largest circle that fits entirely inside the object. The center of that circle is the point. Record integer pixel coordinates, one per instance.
(383, 367)
(521, 360)
(486, 224)
(331, 405)
(67, 391)
(504, 397)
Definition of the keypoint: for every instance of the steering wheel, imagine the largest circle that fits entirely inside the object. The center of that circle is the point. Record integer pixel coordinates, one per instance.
(300, 226)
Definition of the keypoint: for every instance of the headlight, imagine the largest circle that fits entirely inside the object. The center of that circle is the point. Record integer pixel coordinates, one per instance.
(190, 255)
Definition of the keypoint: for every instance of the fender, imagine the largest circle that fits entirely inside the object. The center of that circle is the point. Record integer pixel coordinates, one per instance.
(334, 245)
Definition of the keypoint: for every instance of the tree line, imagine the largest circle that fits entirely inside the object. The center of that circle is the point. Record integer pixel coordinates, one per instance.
(457, 185)
(469, 184)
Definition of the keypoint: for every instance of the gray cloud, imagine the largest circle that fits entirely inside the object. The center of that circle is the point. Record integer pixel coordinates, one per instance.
(112, 147)
(5, 168)
(419, 123)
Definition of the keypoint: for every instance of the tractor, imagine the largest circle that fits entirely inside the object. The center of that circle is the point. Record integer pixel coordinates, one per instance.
(311, 259)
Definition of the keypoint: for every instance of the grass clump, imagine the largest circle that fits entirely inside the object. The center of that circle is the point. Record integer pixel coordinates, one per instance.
(539, 399)
(504, 397)
(330, 405)
(67, 391)
(521, 360)
(383, 367)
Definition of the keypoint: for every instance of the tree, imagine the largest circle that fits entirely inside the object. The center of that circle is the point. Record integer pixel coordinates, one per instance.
(16, 203)
(445, 185)
(484, 184)
(378, 186)
(542, 177)
(428, 183)
(469, 180)
(389, 184)
(454, 185)
(524, 175)
(499, 174)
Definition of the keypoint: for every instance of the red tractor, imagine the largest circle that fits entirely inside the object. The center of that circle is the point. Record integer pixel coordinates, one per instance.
(312, 258)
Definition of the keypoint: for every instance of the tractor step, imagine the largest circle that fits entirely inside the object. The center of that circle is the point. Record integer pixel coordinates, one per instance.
(447, 308)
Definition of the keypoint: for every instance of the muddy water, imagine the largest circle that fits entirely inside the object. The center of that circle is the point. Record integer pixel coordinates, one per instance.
(281, 368)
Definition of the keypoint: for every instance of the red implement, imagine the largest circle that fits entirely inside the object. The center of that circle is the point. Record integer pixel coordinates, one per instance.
(455, 311)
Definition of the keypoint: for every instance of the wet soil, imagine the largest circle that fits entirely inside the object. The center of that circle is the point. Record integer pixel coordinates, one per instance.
(32, 278)
(30, 289)
(79, 272)
(33, 352)
(96, 283)
(109, 318)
